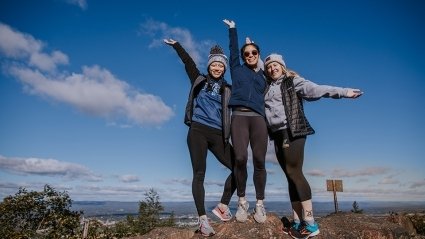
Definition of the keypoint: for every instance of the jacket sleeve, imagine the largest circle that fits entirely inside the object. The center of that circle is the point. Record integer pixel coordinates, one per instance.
(234, 48)
(189, 65)
(311, 91)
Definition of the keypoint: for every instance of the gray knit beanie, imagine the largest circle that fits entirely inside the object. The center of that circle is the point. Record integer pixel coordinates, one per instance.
(217, 54)
(274, 58)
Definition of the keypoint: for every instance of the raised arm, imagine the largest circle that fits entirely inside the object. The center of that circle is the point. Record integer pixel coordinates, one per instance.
(189, 65)
(233, 43)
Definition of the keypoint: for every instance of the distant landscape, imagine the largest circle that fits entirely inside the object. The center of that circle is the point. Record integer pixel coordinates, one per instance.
(185, 212)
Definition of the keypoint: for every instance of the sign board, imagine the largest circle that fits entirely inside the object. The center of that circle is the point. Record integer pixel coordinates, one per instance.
(334, 185)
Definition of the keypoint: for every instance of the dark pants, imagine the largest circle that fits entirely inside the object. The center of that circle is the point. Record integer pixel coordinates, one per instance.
(200, 139)
(290, 155)
(250, 130)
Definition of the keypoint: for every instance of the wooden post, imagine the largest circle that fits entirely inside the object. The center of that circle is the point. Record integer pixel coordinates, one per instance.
(335, 198)
(86, 228)
(334, 186)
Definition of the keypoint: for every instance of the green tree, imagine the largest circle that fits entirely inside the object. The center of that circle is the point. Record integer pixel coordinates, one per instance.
(44, 214)
(149, 211)
(356, 208)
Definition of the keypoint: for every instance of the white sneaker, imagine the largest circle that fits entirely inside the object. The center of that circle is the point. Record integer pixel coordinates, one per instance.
(242, 212)
(260, 213)
(204, 228)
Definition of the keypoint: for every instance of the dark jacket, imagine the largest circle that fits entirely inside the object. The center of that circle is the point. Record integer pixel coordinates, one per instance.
(197, 81)
(248, 86)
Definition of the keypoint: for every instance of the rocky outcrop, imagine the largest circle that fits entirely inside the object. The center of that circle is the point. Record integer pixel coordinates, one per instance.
(334, 226)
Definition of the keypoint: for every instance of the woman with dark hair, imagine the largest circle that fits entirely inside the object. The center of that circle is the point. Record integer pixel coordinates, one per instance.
(248, 121)
(208, 117)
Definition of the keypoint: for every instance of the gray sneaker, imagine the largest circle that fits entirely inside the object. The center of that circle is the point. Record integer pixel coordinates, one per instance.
(260, 213)
(242, 212)
(204, 228)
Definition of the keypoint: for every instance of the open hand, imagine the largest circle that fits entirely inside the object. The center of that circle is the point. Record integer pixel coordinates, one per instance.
(354, 93)
(229, 23)
(170, 41)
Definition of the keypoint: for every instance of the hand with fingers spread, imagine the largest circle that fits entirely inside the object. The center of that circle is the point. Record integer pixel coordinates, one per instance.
(229, 23)
(170, 41)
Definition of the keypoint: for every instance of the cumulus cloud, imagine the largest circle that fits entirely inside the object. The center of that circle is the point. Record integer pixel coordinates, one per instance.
(373, 171)
(389, 180)
(22, 46)
(159, 31)
(129, 178)
(95, 91)
(418, 184)
(316, 173)
(47, 167)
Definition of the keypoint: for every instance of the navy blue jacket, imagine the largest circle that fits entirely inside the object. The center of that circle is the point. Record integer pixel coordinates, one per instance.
(248, 86)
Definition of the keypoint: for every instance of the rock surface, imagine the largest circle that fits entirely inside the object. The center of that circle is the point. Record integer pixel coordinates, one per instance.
(334, 226)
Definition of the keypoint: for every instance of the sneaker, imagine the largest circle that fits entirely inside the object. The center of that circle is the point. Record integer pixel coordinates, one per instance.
(305, 231)
(224, 215)
(242, 212)
(204, 228)
(288, 225)
(260, 213)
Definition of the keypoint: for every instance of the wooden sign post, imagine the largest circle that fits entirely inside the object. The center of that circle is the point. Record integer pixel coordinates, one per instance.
(335, 186)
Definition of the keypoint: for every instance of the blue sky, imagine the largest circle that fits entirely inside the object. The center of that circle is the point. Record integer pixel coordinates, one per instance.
(92, 100)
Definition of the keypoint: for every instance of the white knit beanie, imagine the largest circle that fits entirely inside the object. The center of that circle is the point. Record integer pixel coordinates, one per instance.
(274, 58)
(217, 55)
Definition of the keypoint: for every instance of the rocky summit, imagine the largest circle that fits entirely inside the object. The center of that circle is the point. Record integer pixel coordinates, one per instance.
(333, 226)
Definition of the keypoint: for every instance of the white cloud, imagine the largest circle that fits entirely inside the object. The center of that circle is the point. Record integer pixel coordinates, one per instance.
(373, 171)
(418, 184)
(159, 31)
(316, 173)
(21, 46)
(80, 3)
(95, 91)
(129, 178)
(47, 167)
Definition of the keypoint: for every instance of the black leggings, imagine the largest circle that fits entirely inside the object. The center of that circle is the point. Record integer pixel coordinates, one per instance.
(290, 155)
(250, 130)
(200, 139)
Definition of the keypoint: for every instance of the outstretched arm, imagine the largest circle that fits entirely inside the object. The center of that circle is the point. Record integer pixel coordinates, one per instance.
(233, 44)
(189, 65)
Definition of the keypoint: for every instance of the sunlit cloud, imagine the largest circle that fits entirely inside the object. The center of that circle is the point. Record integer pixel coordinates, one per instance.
(129, 178)
(373, 171)
(21, 46)
(417, 184)
(47, 167)
(159, 31)
(95, 91)
(316, 173)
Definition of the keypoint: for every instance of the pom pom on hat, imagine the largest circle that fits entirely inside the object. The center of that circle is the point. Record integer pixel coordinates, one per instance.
(217, 55)
(274, 58)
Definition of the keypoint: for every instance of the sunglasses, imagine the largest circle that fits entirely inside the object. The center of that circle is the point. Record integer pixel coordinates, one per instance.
(247, 53)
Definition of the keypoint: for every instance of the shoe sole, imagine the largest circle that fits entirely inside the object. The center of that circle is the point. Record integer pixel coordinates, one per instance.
(308, 236)
(219, 216)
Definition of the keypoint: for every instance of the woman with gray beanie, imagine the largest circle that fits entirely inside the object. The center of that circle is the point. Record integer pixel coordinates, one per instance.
(208, 117)
(288, 127)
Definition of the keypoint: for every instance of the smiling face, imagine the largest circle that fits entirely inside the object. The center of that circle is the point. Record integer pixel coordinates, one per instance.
(275, 70)
(250, 56)
(216, 69)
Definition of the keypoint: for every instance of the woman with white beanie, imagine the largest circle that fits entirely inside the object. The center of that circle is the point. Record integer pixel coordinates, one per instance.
(208, 117)
(289, 127)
